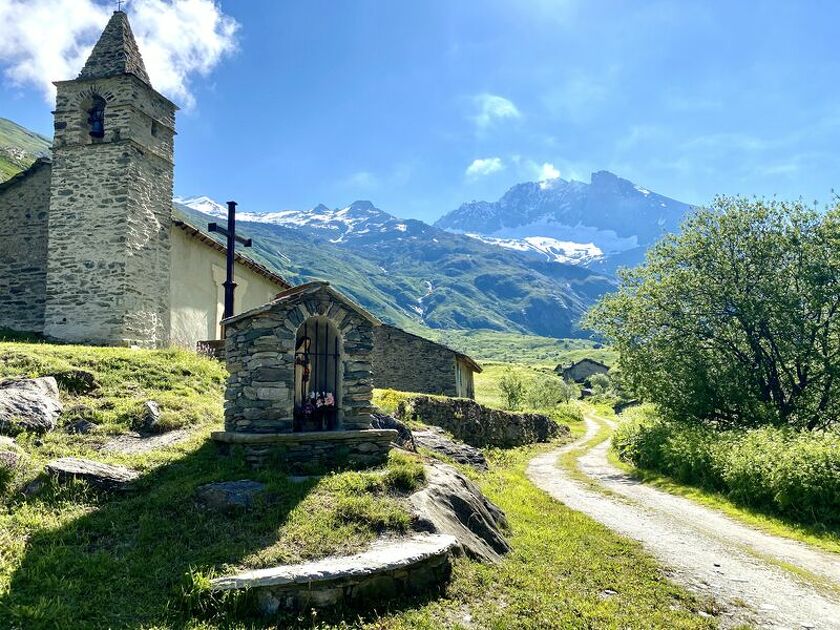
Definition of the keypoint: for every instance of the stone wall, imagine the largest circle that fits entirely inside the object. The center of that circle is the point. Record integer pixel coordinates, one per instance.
(259, 350)
(110, 215)
(311, 452)
(24, 213)
(409, 363)
(480, 426)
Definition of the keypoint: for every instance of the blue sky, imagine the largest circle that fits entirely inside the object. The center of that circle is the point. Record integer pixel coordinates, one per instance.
(421, 106)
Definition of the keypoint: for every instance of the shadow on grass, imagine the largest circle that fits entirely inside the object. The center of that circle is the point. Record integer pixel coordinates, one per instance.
(127, 561)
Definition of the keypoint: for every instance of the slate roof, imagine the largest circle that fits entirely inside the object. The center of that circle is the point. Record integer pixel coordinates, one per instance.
(300, 291)
(19, 177)
(116, 53)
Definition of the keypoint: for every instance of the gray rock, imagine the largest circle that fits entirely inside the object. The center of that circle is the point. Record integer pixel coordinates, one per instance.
(452, 504)
(134, 443)
(405, 438)
(230, 495)
(435, 439)
(99, 475)
(150, 419)
(29, 405)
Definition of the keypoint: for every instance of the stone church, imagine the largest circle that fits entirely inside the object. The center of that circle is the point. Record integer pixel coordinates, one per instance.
(90, 251)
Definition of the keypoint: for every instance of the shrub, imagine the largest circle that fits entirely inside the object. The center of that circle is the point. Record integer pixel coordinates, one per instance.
(781, 470)
(734, 321)
(600, 384)
(546, 392)
(512, 387)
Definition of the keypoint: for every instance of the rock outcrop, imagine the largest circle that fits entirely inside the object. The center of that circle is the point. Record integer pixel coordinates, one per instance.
(405, 438)
(29, 404)
(452, 504)
(97, 474)
(478, 425)
(436, 440)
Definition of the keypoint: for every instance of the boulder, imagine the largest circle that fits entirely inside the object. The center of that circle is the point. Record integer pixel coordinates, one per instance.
(452, 504)
(97, 474)
(405, 438)
(29, 404)
(230, 495)
(79, 420)
(435, 439)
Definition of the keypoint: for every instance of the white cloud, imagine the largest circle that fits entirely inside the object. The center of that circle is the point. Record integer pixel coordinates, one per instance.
(485, 166)
(547, 172)
(49, 40)
(492, 108)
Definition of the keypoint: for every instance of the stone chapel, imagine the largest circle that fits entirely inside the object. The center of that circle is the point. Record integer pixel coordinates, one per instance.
(91, 252)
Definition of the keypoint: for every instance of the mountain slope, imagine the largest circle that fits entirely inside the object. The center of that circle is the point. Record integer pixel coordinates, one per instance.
(607, 222)
(19, 147)
(415, 275)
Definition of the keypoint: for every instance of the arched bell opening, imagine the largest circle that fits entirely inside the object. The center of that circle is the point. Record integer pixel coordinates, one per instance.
(93, 119)
(317, 404)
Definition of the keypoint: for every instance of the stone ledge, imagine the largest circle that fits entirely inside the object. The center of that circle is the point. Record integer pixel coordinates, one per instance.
(388, 569)
(355, 435)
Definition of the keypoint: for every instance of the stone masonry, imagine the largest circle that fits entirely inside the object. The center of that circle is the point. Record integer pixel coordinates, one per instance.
(480, 426)
(23, 248)
(259, 400)
(110, 209)
(410, 363)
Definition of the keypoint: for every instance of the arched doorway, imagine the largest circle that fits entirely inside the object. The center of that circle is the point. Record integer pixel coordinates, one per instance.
(317, 376)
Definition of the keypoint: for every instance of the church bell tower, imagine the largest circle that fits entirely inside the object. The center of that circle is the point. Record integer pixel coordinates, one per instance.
(110, 201)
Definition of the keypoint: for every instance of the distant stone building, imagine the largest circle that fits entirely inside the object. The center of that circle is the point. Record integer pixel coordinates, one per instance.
(411, 363)
(89, 251)
(581, 371)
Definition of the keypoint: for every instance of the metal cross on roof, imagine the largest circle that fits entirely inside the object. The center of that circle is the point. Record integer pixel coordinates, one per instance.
(119, 5)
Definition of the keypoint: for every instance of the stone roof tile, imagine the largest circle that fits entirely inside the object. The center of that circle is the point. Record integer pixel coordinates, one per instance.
(115, 53)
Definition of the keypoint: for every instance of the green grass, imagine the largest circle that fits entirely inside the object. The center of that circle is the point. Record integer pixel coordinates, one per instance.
(510, 347)
(73, 558)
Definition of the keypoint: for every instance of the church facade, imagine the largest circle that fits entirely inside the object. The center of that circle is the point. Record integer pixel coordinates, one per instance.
(91, 252)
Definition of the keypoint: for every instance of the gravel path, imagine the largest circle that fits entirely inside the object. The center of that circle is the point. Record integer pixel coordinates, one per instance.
(709, 553)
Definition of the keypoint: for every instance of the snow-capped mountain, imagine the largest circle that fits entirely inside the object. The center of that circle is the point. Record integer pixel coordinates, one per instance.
(567, 252)
(608, 218)
(359, 219)
(407, 271)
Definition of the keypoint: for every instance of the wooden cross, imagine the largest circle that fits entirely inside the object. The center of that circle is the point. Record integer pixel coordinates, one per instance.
(232, 240)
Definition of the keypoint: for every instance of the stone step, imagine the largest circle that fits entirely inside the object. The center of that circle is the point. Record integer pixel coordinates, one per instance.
(388, 569)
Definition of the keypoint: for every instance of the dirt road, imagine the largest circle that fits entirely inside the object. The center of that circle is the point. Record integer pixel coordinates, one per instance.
(706, 551)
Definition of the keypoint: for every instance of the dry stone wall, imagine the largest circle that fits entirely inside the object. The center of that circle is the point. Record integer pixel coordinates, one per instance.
(477, 425)
(409, 363)
(24, 223)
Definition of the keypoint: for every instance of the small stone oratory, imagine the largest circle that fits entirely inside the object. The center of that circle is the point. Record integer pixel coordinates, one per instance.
(90, 251)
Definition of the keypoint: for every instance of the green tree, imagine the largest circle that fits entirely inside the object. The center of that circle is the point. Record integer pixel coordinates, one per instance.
(600, 384)
(547, 391)
(512, 387)
(735, 320)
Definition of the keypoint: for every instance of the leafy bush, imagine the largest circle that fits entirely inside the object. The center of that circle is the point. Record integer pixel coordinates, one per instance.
(734, 321)
(600, 384)
(547, 391)
(512, 386)
(789, 472)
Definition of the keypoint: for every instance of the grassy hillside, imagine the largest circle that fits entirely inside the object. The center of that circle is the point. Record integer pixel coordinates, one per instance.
(18, 148)
(491, 345)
